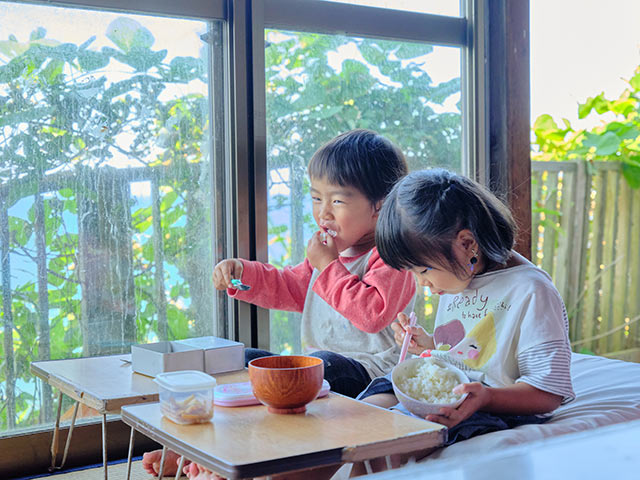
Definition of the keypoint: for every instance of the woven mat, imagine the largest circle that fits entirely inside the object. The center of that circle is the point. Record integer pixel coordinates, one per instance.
(118, 471)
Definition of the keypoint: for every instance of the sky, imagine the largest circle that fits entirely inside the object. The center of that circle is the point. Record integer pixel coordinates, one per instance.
(580, 48)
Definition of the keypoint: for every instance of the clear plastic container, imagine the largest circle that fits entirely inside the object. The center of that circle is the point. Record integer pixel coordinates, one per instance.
(186, 396)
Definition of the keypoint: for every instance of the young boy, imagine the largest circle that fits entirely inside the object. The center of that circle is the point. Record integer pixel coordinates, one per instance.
(347, 295)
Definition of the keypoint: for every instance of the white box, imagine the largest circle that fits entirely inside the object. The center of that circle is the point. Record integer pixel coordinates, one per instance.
(220, 355)
(205, 354)
(154, 358)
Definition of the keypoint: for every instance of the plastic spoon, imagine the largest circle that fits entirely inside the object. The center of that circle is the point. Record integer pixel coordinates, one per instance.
(239, 285)
(407, 337)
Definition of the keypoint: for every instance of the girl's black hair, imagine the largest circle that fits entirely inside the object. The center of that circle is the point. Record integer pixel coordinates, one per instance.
(424, 212)
(361, 159)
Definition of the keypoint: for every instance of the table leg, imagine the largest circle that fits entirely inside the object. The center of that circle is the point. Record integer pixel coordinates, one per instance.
(162, 459)
(54, 440)
(104, 444)
(68, 442)
(180, 465)
(367, 466)
(133, 431)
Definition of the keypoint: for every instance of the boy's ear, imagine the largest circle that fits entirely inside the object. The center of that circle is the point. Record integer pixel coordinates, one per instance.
(377, 206)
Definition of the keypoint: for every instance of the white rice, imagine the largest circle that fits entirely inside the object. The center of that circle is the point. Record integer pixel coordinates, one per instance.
(431, 383)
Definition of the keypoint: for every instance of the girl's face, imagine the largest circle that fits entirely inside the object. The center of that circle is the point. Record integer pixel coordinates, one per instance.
(344, 211)
(441, 279)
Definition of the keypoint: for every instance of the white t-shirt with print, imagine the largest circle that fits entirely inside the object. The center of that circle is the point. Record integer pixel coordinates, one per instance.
(508, 326)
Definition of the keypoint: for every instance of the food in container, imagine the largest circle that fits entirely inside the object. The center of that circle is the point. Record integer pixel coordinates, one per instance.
(186, 396)
(423, 385)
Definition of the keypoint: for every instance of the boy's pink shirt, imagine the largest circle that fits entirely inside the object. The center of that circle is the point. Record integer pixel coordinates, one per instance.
(370, 304)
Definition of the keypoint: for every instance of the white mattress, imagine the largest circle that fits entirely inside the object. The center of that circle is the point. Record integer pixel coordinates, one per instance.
(607, 392)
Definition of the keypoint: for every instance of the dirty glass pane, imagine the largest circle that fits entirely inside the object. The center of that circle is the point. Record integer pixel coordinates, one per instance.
(437, 7)
(318, 86)
(106, 214)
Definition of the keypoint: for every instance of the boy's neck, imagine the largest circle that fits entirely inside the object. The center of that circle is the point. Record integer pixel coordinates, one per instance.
(365, 244)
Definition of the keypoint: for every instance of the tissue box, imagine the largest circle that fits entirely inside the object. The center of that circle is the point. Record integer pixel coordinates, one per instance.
(154, 358)
(205, 354)
(220, 355)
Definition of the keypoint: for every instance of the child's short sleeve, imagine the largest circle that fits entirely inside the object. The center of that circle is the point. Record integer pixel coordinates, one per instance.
(544, 317)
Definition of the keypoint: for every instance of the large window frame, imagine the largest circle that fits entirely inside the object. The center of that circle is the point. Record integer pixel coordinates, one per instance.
(493, 36)
(28, 451)
(324, 17)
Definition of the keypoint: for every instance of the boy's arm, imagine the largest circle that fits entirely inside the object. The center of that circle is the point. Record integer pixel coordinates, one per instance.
(284, 289)
(372, 303)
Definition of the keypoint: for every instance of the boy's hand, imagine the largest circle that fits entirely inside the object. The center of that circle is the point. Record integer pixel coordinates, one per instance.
(225, 271)
(321, 250)
(420, 339)
(478, 397)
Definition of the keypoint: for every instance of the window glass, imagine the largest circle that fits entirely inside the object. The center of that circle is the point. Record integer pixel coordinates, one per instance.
(106, 217)
(437, 7)
(318, 86)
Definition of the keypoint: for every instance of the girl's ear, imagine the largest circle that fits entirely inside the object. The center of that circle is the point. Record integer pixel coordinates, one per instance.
(466, 241)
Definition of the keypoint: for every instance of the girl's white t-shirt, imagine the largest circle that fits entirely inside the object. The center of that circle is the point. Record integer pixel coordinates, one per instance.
(509, 325)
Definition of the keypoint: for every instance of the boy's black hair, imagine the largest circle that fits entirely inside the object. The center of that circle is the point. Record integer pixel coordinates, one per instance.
(424, 212)
(361, 159)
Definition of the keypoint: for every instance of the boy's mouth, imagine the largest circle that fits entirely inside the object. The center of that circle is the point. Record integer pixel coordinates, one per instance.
(331, 232)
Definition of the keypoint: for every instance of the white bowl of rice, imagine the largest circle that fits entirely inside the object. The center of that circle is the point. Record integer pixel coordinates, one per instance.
(423, 385)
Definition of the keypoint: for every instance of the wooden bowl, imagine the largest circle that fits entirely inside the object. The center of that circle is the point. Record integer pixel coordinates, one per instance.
(286, 383)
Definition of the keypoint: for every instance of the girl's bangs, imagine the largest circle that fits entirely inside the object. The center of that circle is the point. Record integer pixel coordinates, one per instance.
(401, 247)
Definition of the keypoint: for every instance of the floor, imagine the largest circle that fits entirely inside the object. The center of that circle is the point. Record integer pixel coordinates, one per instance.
(115, 471)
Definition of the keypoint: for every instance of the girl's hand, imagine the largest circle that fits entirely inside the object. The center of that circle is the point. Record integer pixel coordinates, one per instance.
(420, 339)
(479, 396)
(225, 271)
(321, 250)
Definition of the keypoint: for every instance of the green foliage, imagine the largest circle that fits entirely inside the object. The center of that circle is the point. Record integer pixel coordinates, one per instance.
(616, 139)
(387, 90)
(62, 117)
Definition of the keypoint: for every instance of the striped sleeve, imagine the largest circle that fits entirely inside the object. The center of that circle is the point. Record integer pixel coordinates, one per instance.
(548, 367)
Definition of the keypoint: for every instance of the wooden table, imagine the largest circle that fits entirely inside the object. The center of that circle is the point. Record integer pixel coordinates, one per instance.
(245, 442)
(103, 383)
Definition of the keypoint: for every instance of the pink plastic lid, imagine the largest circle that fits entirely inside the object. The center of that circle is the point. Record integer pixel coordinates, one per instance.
(241, 394)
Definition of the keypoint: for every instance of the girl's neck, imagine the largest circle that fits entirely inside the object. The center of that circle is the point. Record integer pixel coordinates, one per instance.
(513, 260)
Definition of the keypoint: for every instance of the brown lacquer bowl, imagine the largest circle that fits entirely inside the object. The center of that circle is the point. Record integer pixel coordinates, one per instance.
(286, 383)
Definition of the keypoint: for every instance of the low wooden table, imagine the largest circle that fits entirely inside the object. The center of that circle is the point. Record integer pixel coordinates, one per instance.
(103, 383)
(245, 442)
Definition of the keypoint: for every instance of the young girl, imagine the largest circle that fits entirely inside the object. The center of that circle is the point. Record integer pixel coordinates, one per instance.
(499, 317)
(347, 295)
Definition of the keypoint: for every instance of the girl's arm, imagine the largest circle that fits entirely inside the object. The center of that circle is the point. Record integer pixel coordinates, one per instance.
(284, 289)
(518, 399)
(420, 339)
(370, 304)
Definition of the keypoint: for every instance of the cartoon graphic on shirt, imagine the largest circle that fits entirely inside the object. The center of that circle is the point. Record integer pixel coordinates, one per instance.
(479, 345)
(451, 333)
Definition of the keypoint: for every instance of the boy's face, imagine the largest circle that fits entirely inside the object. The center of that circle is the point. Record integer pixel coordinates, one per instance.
(344, 211)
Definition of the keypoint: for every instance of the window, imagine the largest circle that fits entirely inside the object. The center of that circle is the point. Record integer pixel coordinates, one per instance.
(438, 7)
(138, 148)
(107, 151)
(320, 85)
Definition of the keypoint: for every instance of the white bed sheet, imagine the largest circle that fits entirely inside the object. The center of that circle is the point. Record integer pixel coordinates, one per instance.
(607, 392)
